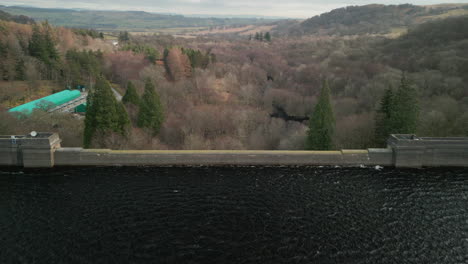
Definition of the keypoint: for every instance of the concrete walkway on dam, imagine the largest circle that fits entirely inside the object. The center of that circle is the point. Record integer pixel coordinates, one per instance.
(78, 156)
(44, 150)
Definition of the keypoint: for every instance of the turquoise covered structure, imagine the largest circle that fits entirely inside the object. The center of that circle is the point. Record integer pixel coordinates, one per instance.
(52, 100)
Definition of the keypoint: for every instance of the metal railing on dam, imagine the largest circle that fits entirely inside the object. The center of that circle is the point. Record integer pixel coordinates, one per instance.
(44, 150)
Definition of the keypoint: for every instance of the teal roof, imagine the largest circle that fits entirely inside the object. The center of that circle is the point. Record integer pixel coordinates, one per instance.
(51, 100)
(81, 108)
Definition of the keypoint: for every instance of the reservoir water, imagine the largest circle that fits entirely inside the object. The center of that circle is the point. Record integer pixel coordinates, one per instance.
(233, 215)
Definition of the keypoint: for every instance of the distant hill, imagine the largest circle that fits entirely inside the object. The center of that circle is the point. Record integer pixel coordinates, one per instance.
(434, 34)
(18, 19)
(437, 45)
(124, 20)
(373, 19)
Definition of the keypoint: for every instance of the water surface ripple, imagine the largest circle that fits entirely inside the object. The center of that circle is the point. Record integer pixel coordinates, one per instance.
(233, 215)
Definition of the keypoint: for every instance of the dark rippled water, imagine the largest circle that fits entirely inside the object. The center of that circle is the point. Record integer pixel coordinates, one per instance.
(233, 215)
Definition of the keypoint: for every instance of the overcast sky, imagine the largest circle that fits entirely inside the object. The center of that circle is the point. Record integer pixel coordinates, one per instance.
(283, 8)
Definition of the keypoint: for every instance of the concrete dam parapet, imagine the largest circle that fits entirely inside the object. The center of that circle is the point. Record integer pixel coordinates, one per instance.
(44, 150)
(412, 151)
(29, 151)
(82, 157)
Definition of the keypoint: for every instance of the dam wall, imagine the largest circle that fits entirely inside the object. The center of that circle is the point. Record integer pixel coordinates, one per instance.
(103, 157)
(403, 151)
(28, 151)
(412, 151)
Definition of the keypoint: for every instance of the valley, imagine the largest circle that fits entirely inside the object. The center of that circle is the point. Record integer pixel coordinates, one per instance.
(220, 82)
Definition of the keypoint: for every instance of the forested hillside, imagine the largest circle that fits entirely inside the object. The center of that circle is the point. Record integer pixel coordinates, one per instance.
(123, 20)
(18, 19)
(219, 92)
(36, 53)
(439, 46)
(38, 59)
(374, 19)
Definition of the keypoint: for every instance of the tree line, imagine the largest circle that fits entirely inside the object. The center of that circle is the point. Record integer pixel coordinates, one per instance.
(48, 61)
(88, 32)
(228, 103)
(107, 119)
(151, 53)
(259, 36)
(398, 114)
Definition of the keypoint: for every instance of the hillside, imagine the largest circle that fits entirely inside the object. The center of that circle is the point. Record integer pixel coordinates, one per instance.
(124, 20)
(434, 34)
(18, 19)
(224, 92)
(374, 19)
(28, 72)
(437, 45)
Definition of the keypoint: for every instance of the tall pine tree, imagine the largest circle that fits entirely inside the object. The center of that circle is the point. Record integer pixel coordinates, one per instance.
(398, 112)
(404, 119)
(37, 46)
(104, 114)
(131, 95)
(52, 52)
(42, 45)
(383, 117)
(257, 36)
(322, 123)
(151, 115)
(124, 36)
(123, 120)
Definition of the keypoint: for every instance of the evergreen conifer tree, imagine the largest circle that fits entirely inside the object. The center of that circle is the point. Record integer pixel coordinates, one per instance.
(131, 95)
(124, 36)
(165, 53)
(398, 113)
(405, 109)
(52, 53)
(268, 36)
(151, 115)
(37, 46)
(20, 70)
(42, 45)
(103, 113)
(123, 121)
(322, 123)
(383, 118)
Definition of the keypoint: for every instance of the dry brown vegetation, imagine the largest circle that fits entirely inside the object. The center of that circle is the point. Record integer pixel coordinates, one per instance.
(14, 93)
(228, 104)
(178, 65)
